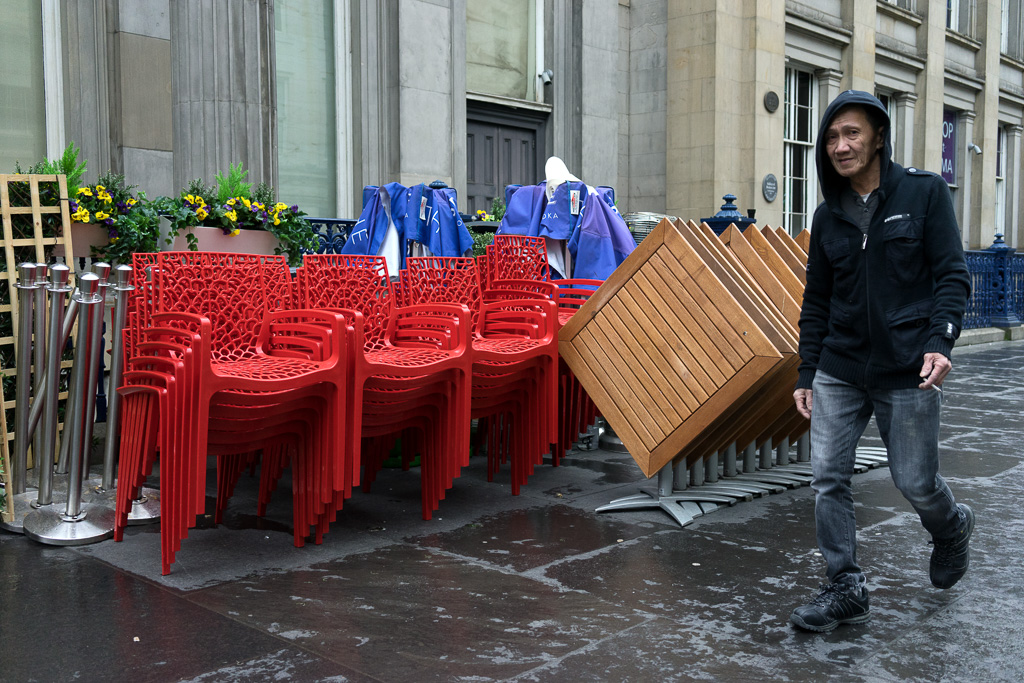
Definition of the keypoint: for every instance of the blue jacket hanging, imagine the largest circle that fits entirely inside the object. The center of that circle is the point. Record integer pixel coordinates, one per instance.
(434, 221)
(596, 236)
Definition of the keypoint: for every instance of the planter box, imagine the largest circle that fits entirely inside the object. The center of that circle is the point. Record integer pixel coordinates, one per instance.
(84, 236)
(214, 239)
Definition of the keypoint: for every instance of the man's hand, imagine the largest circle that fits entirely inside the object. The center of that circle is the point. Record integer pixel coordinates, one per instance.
(935, 368)
(804, 401)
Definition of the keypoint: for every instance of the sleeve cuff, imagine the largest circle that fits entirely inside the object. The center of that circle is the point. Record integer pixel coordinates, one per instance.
(939, 344)
(805, 378)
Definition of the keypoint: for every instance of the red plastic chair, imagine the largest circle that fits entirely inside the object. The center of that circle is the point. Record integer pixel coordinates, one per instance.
(225, 310)
(397, 354)
(514, 352)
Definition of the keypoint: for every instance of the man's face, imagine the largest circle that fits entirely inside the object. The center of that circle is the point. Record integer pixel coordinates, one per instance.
(852, 145)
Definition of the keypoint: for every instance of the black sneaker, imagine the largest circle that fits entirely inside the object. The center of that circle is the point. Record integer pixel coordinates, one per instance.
(835, 603)
(952, 556)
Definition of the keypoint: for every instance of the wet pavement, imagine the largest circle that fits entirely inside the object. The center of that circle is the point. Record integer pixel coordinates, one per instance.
(540, 587)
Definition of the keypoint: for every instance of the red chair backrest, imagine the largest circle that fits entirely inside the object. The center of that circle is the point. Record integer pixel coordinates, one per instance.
(231, 290)
(443, 280)
(360, 283)
(517, 257)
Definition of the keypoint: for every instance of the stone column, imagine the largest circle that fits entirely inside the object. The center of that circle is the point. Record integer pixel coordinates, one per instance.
(600, 125)
(375, 82)
(223, 105)
(86, 100)
(565, 134)
(970, 228)
(1012, 162)
(829, 81)
(904, 127)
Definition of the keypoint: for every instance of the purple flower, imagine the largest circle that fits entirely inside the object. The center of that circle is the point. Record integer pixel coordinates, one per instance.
(112, 233)
(73, 204)
(294, 208)
(109, 221)
(122, 207)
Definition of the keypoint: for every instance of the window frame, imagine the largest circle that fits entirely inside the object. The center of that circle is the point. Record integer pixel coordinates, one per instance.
(794, 145)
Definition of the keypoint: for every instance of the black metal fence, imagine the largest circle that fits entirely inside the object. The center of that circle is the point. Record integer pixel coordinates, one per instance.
(997, 287)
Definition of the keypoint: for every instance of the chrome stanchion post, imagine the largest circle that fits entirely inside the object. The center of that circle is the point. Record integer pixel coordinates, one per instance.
(78, 524)
(21, 497)
(102, 271)
(38, 362)
(122, 276)
(58, 288)
(23, 388)
(65, 442)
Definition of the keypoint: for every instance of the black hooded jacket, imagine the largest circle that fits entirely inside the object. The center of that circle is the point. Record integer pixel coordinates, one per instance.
(874, 304)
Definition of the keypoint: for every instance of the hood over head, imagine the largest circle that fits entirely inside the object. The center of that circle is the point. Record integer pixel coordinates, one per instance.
(831, 182)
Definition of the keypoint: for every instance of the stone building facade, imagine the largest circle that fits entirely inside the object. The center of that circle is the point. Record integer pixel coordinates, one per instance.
(672, 102)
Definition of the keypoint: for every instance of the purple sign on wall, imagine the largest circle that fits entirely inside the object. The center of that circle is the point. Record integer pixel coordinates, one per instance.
(949, 146)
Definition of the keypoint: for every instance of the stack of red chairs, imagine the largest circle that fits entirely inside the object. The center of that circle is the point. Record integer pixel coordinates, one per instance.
(217, 367)
(514, 355)
(408, 369)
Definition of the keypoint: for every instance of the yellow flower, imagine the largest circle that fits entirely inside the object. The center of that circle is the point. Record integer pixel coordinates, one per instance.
(85, 190)
(234, 233)
(105, 197)
(80, 216)
(231, 202)
(131, 202)
(277, 221)
(247, 203)
(232, 215)
(202, 213)
(190, 199)
(102, 215)
(114, 239)
(100, 188)
(259, 207)
(280, 206)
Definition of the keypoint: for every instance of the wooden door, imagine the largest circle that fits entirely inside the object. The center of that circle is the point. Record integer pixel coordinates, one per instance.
(497, 155)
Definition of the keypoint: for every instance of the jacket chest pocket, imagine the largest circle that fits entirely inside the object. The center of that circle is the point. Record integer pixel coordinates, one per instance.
(840, 256)
(904, 250)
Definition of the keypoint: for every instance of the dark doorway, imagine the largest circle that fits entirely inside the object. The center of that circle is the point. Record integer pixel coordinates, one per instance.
(503, 147)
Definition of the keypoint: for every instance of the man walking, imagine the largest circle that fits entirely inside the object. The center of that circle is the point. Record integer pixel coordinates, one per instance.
(887, 285)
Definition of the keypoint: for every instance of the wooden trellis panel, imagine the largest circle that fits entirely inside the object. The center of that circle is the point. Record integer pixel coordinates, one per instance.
(36, 219)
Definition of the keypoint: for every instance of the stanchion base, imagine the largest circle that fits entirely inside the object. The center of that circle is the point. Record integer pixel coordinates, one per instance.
(50, 526)
(145, 510)
(21, 505)
(684, 507)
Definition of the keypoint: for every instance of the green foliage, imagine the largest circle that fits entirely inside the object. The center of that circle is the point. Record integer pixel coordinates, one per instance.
(234, 207)
(498, 208)
(233, 185)
(480, 242)
(66, 165)
(133, 223)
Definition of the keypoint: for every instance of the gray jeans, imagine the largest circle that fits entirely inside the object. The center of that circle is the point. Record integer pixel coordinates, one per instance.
(908, 420)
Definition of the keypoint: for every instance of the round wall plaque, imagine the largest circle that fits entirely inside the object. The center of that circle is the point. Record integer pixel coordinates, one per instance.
(771, 101)
(770, 187)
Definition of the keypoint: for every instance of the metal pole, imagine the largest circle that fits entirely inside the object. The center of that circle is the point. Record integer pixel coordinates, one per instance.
(38, 361)
(682, 475)
(58, 288)
(766, 454)
(102, 270)
(782, 452)
(73, 389)
(750, 458)
(123, 276)
(803, 448)
(729, 461)
(78, 524)
(89, 300)
(23, 388)
(711, 468)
